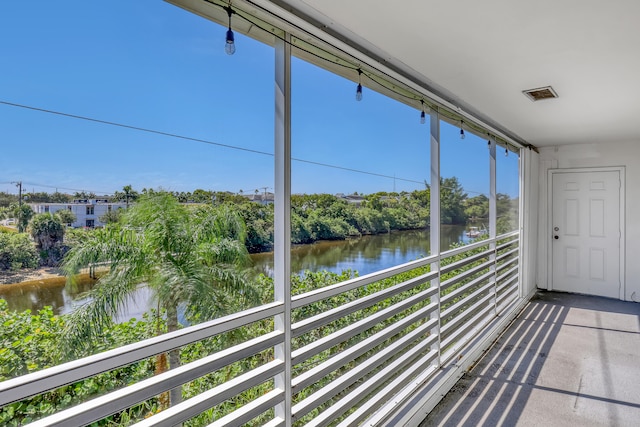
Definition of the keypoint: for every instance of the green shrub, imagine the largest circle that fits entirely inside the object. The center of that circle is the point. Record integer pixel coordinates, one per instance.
(17, 251)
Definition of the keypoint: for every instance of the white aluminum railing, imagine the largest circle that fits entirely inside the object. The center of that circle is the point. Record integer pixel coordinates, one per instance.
(348, 361)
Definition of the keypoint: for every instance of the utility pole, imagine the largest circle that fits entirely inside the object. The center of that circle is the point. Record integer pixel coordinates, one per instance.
(19, 185)
(264, 192)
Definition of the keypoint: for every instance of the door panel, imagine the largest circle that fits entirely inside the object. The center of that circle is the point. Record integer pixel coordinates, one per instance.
(586, 233)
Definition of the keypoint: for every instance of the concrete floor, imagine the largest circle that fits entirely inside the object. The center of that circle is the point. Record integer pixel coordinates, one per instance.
(567, 360)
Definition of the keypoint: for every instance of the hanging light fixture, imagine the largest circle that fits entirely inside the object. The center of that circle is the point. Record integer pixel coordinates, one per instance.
(359, 88)
(423, 115)
(461, 130)
(230, 46)
(506, 151)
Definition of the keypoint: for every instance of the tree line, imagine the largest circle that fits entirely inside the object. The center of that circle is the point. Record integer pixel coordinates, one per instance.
(313, 217)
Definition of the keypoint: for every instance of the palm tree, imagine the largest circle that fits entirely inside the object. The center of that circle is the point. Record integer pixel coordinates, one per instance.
(128, 193)
(48, 234)
(66, 217)
(22, 213)
(188, 257)
(46, 230)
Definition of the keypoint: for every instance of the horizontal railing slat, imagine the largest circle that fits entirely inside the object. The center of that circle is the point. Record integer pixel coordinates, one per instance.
(464, 288)
(480, 310)
(458, 341)
(506, 264)
(507, 254)
(505, 276)
(506, 300)
(355, 374)
(505, 245)
(241, 416)
(465, 274)
(507, 291)
(347, 402)
(321, 319)
(455, 322)
(109, 404)
(339, 288)
(466, 248)
(358, 327)
(330, 365)
(196, 405)
(511, 234)
(424, 368)
(276, 422)
(20, 388)
(450, 311)
(468, 260)
(508, 281)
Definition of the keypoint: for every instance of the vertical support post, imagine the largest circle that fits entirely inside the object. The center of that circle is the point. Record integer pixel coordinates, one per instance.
(493, 219)
(282, 221)
(522, 192)
(434, 228)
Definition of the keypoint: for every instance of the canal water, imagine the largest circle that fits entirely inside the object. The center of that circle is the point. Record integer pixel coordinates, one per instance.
(364, 254)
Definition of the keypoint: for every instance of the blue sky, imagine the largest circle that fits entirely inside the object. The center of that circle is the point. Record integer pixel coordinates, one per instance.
(148, 64)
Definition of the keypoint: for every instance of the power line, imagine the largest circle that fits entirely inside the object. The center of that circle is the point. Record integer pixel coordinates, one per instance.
(56, 187)
(204, 141)
(141, 129)
(66, 188)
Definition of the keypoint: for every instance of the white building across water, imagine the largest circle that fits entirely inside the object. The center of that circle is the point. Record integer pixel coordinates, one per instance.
(87, 211)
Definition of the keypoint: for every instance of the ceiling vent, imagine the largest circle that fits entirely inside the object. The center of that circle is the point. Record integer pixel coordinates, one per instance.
(540, 93)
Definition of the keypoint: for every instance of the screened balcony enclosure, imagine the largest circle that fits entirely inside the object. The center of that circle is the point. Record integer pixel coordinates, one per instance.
(550, 286)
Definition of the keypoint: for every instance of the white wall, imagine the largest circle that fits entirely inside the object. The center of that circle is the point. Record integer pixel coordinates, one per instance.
(596, 155)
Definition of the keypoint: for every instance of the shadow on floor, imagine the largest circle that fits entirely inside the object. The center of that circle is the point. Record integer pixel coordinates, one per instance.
(566, 360)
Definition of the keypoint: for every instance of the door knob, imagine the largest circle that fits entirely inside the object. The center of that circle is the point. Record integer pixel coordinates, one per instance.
(556, 237)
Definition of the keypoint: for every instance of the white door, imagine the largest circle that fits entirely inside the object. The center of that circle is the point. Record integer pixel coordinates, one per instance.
(586, 234)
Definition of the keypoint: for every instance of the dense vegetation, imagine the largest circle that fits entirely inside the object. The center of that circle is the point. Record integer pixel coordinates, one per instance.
(316, 216)
(17, 251)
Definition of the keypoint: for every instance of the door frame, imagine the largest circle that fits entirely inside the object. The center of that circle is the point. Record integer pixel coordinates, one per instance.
(621, 173)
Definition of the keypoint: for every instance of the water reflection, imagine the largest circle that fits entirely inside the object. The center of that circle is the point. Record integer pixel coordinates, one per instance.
(63, 299)
(37, 294)
(364, 255)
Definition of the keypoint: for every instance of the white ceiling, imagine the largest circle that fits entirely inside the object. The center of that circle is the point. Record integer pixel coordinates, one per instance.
(482, 54)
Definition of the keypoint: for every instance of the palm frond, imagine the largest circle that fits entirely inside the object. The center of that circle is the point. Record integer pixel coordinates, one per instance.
(194, 257)
(85, 325)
